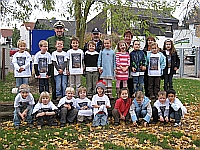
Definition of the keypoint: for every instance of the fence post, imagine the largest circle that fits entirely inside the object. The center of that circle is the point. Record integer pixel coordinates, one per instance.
(196, 62)
(3, 70)
(181, 68)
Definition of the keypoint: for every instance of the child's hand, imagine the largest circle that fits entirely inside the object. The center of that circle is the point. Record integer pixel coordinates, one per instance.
(171, 101)
(166, 119)
(133, 69)
(40, 114)
(21, 69)
(143, 68)
(85, 107)
(47, 76)
(134, 123)
(145, 124)
(175, 68)
(100, 70)
(161, 118)
(67, 72)
(60, 71)
(122, 117)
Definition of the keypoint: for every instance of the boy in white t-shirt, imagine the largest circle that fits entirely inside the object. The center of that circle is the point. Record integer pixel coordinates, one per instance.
(59, 61)
(75, 64)
(21, 61)
(100, 103)
(42, 61)
(156, 63)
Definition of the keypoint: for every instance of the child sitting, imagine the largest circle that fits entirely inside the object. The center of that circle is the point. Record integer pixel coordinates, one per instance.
(67, 108)
(83, 104)
(100, 103)
(140, 108)
(122, 105)
(176, 108)
(45, 111)
(23, 105)
(161, 108)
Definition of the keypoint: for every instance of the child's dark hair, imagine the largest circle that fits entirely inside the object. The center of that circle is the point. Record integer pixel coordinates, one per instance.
(172, 50)
(123, 89)
(122, 41)
(135, 41)
(171, 91)
(92, 43)
(146, 44)
(74, 39)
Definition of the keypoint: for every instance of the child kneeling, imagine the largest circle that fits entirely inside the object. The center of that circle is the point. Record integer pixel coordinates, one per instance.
(140, 108)
(45, 111)
(100, 103)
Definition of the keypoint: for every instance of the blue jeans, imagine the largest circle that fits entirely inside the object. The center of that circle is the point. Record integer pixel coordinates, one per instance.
(17, 117)
(168, 81)
(61, 85)
(20, 81)
(100, 120)
(43, 85)
(138, 83)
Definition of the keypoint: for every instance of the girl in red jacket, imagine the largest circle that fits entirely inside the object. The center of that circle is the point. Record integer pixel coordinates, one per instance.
(122, 105)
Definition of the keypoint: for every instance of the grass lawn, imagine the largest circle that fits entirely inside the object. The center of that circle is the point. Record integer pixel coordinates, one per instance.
(125, 136)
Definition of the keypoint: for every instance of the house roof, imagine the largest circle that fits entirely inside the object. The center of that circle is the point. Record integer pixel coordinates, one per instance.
(70, 26)
(29, 25)
(6, 32)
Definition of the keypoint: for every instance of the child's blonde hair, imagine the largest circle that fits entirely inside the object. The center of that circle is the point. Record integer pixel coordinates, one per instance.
(44, 94)
(21, 42)
(122, 41)
(43, 42)
(24, 88)
(139, 94)
(162, 93)
(70, 89)
(82, 88)
(154, 44)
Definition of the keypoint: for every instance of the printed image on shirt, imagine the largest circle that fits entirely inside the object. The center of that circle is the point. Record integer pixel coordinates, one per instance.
(162, 108)
(83, 104)
(21, 61)
(42, 63)
(169, 61)
(76, 60)
(60, 60)
(100, 103)
(154, 63)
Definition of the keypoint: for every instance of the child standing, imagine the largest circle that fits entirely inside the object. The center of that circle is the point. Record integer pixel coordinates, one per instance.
(83, 104)
(161, 108)
(172, 63)
(21, 61)
(156, 63)
(45, 111)
(140, 108)
(91, 71)
(100, 103)
(75, 57)
(59, 61)
(42, 62)
(138, 66)
(122, 64)
(122, 106)
(23, 105)
(107, 65)
(176, 108)
(67, 108)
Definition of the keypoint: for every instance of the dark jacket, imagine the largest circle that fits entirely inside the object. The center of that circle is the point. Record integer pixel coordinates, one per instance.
(98, 46)
(175, 62)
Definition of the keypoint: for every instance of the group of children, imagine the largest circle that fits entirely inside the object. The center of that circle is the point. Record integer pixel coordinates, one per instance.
(84, 110)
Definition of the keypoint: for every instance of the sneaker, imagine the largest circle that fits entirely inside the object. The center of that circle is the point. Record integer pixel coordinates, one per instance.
(17, 127)
(39, 127)
(30, 125)
(62, 125)
(116, 123)
(177, 124)
(54, 124)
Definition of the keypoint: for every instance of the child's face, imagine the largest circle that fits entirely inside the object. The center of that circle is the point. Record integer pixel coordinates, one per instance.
(107, 44)
(136, 45)
(150, 41)
(82, 94)
(154, 49)
(122, 47)
(24, 94)
(171, 97)
(22, 48)
(59, 46)
(91, 47)
(168, 45)
(75, 45)
(45, 100)
(124, 94)
(139, 100)
(44, 48)
(162, 99)
(100, 90)
(69, 95)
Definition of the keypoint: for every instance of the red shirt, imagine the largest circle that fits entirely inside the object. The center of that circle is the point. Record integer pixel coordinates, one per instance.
(122, 106)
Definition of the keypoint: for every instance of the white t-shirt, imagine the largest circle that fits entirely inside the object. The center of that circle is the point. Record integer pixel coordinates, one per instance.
(19, 100)
(64, 100)
(59, 58)
(101, 101)
(22, 60)
(42, 60)
(154, 65)
(81, 103)
(39, 106)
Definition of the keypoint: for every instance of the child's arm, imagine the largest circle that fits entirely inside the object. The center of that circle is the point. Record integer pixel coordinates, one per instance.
(36, 70)
(149, 112)
(55, 65)
(28, 61)
(14, 61)
(132, 113)
(99, 63)
(96, 106)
